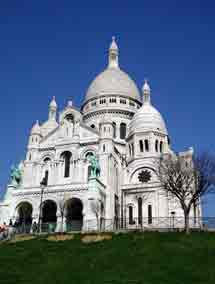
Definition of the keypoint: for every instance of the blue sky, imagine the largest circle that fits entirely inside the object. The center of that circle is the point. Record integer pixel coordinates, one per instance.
(55, 48)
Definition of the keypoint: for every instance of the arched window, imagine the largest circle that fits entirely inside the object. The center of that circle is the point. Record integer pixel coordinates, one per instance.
(150, 214)
(69, 118)
(130, 153)
(141, 145)
(140, 211)
(88, 155)
(132, 149)
(122, 131)
(44, 181)
(114, 129)
(130, 215)
(29, 157)
(89, 172)
(156, 145)
(146, 142)
(46, 160)
(67, 159)
(103, 147)
(161, 146)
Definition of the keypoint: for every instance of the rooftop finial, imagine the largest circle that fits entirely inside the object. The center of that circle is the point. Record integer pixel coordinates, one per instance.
(113, 54)
(146, 92)
(53, 103)
(69, 104)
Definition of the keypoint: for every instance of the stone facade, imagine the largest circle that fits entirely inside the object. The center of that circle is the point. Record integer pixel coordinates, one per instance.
(126, 134)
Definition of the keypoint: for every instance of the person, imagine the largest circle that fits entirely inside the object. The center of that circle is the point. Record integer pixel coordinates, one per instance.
(10, 223)
(5, 230)
(34, 227)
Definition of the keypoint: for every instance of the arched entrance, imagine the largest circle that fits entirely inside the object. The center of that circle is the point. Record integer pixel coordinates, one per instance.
(74, 216)
(24, 217)
(49, 218)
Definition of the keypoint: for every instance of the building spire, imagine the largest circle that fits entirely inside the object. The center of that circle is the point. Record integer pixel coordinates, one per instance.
(146, 93)
(52, 109)
(113, 54)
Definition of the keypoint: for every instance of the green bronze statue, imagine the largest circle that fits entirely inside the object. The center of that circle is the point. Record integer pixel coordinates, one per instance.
(16, 176)
(95, 167)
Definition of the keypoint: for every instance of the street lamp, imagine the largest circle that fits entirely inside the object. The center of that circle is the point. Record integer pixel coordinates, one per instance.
(43, 184)
(173, 219)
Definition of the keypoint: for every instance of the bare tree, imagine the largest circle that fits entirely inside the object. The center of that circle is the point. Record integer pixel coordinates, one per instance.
(62, 207)
(95, 207)
(187, 180)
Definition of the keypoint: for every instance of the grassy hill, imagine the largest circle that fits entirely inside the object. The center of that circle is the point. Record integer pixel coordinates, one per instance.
(127, 258)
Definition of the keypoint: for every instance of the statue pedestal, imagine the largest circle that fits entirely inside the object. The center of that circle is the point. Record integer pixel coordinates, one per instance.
(10, 189)
(93, 209)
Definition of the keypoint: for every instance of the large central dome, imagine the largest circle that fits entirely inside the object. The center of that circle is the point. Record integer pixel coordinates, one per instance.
(113, 81)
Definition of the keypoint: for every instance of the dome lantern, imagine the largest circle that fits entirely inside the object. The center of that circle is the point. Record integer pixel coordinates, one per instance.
(146, 93)
(113, 55)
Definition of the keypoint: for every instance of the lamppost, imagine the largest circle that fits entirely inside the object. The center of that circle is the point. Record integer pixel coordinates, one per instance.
(173, 219)
(43, 184)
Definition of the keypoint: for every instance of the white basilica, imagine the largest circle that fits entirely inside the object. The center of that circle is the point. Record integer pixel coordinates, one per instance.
(127, 135)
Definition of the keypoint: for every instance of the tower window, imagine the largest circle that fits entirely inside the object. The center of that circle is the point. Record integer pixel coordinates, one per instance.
(130, 153)
(140, 210)
(114, 129)
(69, 117)
(156, 145)
(102, 101)
(161, 146)
(141, 145)
(45, 178)
(149, 214)
(130, 215)
(122, 131)
(112, 100)
(67, 159)
(89, 171)
(146, 142)
(132, 149)
(123, 101)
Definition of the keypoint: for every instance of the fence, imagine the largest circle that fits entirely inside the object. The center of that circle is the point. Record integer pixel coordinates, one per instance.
(116, 224)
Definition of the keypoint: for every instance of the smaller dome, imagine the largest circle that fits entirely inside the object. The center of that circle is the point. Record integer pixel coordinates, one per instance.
(36, 128)
(147, 119)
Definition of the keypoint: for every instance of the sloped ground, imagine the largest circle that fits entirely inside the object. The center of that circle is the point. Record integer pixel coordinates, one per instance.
(126, 258)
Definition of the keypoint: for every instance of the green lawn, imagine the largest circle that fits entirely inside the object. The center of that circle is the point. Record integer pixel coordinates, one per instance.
(149, 258)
